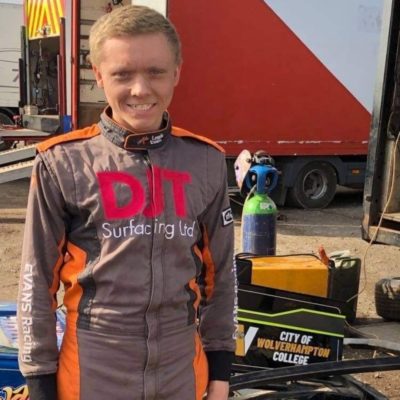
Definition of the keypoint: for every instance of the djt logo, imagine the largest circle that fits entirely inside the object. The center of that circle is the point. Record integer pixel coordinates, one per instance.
(155, 181)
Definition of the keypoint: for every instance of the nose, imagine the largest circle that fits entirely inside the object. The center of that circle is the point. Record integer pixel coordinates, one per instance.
(140, 86)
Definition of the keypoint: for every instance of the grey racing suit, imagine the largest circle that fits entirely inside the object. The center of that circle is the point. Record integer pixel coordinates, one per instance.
(138, 229)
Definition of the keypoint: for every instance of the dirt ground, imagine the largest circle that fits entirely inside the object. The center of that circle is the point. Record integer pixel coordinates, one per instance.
(299, 231)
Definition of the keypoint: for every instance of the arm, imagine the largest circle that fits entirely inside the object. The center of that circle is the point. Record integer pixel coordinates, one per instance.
(218, 390)
(218, 310)
(42, 257)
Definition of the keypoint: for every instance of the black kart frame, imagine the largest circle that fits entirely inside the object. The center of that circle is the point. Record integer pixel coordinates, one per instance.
(320, 381)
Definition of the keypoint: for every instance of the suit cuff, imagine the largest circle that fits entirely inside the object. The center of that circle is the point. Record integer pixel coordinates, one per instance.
(219, 365)
(42, 387)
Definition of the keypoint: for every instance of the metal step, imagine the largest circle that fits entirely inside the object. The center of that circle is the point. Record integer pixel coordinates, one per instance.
(23, 134)
(16, 171)
(18, 154)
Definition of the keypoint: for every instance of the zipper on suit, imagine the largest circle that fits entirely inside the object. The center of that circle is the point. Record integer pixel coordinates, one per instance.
(149, 166)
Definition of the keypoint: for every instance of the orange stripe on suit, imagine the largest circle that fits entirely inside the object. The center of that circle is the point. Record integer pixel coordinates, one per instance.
(86, 133)
(68, 372)
(210, 266)
(200, 367)
(179, 132)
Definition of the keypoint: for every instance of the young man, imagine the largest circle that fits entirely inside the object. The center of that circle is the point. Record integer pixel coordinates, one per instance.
(132, 216)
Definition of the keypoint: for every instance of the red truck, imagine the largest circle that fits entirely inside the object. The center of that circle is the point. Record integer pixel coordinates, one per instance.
(294, 78)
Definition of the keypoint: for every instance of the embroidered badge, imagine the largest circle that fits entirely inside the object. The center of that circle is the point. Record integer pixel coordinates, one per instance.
(227, 217)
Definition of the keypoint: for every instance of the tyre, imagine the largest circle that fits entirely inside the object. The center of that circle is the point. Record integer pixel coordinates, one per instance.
(387, 298)
(6, 120)
(314, 187)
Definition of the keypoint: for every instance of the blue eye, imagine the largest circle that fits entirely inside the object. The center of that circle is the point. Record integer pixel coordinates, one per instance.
(121, 75)
(156, 71)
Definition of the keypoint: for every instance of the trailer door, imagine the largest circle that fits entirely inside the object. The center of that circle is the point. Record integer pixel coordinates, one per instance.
(381, 222)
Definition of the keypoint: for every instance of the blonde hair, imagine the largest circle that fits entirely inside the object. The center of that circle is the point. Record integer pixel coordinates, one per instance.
(130, 21)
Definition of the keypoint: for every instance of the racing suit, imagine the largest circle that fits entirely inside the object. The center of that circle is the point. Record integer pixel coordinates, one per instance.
(138, 230)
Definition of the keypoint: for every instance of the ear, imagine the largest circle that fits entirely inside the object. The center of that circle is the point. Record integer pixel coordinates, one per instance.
(177, 73)
(97, 75)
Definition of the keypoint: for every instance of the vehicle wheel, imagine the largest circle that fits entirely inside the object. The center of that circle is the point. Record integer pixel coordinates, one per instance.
(387, 298)
(314, 187)
(6, 120)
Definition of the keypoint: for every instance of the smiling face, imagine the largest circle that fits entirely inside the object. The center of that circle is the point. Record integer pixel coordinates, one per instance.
(138, 75)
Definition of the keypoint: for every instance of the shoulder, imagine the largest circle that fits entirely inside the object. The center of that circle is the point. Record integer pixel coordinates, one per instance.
(182, 133)
(81, 134)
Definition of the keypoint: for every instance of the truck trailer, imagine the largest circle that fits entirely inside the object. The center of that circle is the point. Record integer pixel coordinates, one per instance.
(11, 19)
(294, 78)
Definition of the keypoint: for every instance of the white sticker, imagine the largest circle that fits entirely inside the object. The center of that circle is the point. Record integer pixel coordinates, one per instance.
(227, 217)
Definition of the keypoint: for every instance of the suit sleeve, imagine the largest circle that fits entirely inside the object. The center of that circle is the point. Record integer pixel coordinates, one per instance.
(42, 257)
(218, 310)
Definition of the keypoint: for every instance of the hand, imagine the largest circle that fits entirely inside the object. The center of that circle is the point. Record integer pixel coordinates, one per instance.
(218, 390)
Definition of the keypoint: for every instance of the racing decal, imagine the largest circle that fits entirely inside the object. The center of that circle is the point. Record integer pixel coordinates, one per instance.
(43, 17)
(26, 309)
(144, 141)
(134, 228)
(10, 393)
(109, 193)
(236, 332)
(227, 217)
(117, 185)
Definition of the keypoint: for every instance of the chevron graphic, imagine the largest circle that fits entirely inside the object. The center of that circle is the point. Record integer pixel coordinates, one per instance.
(43, 17)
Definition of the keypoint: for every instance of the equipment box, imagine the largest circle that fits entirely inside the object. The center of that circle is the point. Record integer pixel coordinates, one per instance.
(337, 279)
(279, 328)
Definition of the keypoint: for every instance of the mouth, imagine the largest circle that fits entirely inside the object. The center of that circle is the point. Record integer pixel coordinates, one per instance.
(141, 107)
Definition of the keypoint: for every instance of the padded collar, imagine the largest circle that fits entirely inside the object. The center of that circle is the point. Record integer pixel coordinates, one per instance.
(130, 140)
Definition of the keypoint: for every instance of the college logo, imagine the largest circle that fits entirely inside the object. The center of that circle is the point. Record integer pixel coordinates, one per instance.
(244, 339)
(9, 393)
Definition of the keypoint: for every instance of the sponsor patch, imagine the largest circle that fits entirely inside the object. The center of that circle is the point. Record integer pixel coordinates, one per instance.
(144, 141)
(227, 217)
